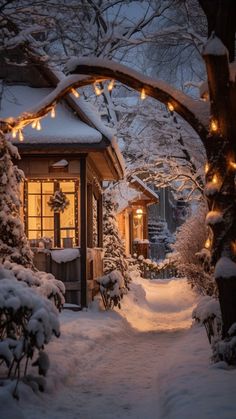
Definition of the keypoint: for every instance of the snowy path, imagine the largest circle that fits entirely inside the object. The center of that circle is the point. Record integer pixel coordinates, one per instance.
(105, 365)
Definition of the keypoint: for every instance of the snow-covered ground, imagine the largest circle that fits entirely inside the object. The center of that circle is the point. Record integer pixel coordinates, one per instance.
(144, 361)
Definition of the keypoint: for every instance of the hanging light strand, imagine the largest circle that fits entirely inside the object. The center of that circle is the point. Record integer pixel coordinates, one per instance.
(111, 85)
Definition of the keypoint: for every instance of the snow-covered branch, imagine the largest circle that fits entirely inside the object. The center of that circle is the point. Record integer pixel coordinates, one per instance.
(195, 112)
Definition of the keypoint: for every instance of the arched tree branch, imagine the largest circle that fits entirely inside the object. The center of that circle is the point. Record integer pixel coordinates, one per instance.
(195, 112)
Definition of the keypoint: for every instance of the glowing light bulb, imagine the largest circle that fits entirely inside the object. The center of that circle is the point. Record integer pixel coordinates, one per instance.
(111, 85)
(215, 179)
(34, 123)
(53, 113)
(21, 136)
(170, 107)
(233, 246)
(38, 126)
(14, 132)
(75, 93)
(97, 90)
(206, 168)
(214, 125)
(207, 244)
(143, 94)
(232, 164)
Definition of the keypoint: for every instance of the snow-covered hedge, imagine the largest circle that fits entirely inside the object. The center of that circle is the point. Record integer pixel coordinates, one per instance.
(112, 288)
(27, 323)
(43, 283)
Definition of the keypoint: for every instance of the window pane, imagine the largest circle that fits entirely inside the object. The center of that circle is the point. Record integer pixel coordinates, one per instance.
(48, 187)
(67, 218)
(34, 205)
(46, 209)
(34, 187)
(49, 234)
(48, 223)
(33, 235)
(67, 234)
(67, 186)
(34, 223)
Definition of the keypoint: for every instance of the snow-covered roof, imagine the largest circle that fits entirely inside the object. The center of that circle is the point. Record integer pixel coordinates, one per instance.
(126, 193)
(64, 128)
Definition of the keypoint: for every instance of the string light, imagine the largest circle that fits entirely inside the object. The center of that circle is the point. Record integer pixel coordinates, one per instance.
(206, 168)
(34, 123)
(207, 244)
(38, 126)
(170, 107)
(53, 113)
(75, 93)
(233, 247)
(21, 136)
(97, 90)
(215, 179)
(14, 133)
(214, 125)
(111, 85)
(143, 94)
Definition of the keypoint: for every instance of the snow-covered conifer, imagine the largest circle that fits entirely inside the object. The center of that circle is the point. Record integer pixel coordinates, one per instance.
(13, 242)
(114, 256)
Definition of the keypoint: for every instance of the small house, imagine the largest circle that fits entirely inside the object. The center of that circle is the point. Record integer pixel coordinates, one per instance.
(66, 158)
(134, 200)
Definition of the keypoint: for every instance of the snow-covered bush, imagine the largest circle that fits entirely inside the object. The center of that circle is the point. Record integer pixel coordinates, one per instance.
(27, 323)
(207, 312)
(112, 288)
(114, 250)
(43, 283)
(192, 259)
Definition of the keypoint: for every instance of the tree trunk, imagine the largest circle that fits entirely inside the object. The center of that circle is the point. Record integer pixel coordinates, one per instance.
(220, 174)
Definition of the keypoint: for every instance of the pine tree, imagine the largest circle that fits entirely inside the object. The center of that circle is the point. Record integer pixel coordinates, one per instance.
(114, 256)
(13, 242)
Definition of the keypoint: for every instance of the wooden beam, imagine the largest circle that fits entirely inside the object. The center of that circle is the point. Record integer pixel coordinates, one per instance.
(90, 215)
(83, 229)
(100, 220)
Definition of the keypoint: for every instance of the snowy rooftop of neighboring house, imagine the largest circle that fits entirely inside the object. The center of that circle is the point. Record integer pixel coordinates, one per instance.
(64, 128)
(126, 193)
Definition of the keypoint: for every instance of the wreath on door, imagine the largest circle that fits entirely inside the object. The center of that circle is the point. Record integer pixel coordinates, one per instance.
(58, 202)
